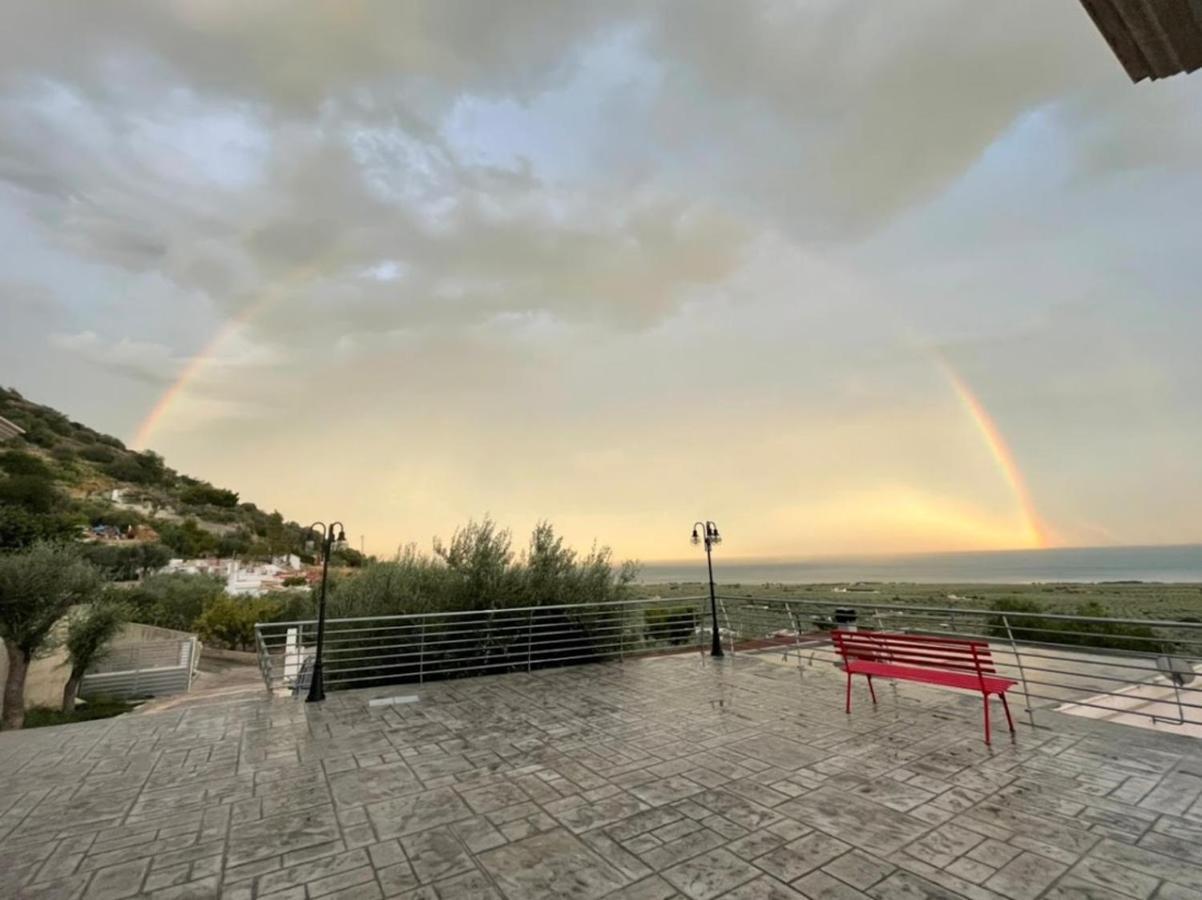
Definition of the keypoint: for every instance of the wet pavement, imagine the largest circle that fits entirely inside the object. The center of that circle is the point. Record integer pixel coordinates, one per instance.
(661, 778)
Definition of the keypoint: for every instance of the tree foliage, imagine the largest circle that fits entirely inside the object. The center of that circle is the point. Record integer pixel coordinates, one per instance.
(33, 493)
(37, 588)
(187, 538)
(127, 561)
(230, 621)
(479, 569)
(174, 600)
(207, 495)
(90, 630)
(20, 528)
(19, 462)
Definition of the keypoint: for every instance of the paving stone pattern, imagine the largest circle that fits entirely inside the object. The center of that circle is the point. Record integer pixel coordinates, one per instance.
(655, 779)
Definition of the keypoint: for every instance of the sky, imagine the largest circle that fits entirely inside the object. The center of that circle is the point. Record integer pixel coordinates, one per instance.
(843, 276)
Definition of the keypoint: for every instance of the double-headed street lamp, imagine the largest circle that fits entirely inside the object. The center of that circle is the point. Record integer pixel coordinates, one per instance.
(709, 534)
(317, 688)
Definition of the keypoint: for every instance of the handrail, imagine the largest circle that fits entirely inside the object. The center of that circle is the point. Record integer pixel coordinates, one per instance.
(963, 610)
(499, 609)
(1059, 668)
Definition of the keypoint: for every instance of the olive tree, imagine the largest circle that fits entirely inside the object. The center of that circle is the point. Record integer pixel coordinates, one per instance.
(89, 631)
(38, 587)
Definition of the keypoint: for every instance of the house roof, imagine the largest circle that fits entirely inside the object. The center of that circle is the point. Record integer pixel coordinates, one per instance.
(1151, 38)
(9, 429)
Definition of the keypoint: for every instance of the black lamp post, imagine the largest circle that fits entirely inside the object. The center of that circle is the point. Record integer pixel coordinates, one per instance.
(317, 688)
(709, 534)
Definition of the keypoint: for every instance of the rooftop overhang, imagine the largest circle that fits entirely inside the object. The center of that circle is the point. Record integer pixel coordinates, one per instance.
(1152, 38)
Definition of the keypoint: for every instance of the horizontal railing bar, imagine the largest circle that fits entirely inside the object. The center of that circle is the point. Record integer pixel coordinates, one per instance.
(1023, 628)
(540, 636)
(338, 635)
(1114, 709)
(646, 601)
(519, 645)
(333, 675)
(418, 646)
(1111, 709)
(967, 611)
(1104, 693)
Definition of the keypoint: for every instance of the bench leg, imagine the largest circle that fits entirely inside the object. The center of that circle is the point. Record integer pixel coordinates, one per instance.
(872, 690)
(1006, 707)
(985, 697)
(849, 693)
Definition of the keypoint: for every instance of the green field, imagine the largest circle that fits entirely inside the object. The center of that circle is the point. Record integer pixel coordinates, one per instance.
(1170, 602)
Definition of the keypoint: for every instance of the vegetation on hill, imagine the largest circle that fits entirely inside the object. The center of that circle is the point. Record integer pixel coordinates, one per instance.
(59, 478)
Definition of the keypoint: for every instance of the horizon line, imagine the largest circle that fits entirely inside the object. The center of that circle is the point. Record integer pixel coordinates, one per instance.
(832, 557)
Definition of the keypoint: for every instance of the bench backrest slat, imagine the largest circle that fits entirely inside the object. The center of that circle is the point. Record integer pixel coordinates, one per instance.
(920, 651)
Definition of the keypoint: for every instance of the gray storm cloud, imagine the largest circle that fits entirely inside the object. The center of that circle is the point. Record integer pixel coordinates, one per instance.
(581, 215)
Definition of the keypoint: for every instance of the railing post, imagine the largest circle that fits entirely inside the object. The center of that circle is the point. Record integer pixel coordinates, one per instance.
(421, 654)
(796, 637)
(1021, 672)
(191, 661)
(622, 635)
(529, 639)
(722, 606)
(261, 653)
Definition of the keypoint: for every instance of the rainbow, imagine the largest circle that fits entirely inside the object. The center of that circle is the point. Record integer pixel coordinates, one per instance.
(201, 360)
(193, 368)
(1036, 532)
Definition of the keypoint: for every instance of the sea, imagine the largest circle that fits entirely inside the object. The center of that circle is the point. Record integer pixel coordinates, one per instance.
(1165, 564)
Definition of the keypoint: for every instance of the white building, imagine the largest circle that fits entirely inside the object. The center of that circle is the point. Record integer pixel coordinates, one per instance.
(242, 579)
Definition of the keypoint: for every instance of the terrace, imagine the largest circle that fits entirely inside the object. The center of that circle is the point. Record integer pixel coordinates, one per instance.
(649, 775)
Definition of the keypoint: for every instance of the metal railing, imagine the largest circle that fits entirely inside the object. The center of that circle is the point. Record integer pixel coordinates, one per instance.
(1111, 668)
(361, 652)
(145, 669)
(1097, 667)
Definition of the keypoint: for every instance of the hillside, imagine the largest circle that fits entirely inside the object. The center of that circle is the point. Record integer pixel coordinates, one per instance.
(64, 480)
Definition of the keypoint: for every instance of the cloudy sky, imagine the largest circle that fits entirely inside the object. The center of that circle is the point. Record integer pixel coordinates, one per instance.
(845, 276)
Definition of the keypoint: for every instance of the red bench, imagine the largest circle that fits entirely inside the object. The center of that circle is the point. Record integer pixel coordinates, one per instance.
(951, 662)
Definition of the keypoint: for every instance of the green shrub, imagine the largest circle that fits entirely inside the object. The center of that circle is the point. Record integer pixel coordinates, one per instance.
(18, 462)
(39, 435)
(230, 621)
(126, 561)
(20, 528)
(207, 495)
(34, 493)
(187, 539)
(173, 600)
(671, 625)
(99, 453)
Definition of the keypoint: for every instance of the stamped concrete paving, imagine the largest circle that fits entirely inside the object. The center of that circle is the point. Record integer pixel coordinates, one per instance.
(656, 779)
